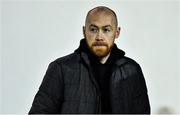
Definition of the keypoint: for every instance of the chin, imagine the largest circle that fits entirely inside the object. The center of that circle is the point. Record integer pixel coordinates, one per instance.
(100, 54)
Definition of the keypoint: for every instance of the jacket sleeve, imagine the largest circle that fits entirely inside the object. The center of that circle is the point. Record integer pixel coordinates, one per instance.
(140, 99)
(49, 96)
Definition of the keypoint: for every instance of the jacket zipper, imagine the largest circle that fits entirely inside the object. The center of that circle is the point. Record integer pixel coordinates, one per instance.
(98, 97)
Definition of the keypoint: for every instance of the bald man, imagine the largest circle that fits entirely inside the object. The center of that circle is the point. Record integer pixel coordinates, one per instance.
(97, 77)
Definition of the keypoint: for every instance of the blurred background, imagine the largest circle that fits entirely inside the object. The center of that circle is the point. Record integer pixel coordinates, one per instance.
(36, 32)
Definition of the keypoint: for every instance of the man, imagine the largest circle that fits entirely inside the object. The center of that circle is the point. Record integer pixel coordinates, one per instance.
(97, 77)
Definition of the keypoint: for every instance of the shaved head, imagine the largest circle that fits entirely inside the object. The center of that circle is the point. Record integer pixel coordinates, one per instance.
(102, 10)
(100, 30)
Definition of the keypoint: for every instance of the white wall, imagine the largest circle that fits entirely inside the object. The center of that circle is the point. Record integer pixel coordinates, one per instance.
(0, 58)
(36, 32)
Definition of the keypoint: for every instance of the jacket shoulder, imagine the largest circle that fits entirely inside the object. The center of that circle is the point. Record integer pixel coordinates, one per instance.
(127, 61)
(70, 59)
(129, 67)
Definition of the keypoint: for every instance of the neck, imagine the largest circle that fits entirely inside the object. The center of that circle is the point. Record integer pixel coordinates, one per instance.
(103, 60)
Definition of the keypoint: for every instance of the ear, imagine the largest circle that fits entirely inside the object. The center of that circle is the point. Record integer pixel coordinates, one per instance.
(117, 32)
(84, 31)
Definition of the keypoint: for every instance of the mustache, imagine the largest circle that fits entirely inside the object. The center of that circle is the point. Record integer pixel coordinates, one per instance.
(99, 44)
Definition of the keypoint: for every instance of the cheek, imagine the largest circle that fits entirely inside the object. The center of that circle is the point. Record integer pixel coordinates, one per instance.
(90, 38)
(110, 42)
(112, 35)
(89, 41)
(109, 36)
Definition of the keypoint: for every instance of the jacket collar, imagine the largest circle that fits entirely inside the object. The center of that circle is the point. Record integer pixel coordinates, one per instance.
(85, 52)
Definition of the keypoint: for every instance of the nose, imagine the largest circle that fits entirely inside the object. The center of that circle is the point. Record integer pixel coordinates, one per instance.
(99, 36)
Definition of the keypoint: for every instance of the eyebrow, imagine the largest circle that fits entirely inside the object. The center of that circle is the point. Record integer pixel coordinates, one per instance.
(93, 25)
(103, 26)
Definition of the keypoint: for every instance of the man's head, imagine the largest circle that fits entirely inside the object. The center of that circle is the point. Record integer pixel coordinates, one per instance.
(100, 30)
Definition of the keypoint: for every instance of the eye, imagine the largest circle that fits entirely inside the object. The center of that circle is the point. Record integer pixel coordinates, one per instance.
(94, 30)
(106, 30)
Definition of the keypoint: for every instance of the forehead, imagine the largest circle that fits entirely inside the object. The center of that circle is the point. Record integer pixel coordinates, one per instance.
(100, 19)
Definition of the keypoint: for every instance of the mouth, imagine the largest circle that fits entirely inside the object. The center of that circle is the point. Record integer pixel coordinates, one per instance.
(99, 44)
(99, 47)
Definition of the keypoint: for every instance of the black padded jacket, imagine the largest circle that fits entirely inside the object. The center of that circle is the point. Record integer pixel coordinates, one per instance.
(70, 87)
